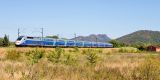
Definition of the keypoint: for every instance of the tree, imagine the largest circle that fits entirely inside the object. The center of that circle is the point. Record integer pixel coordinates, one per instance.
(116, 43)
(6, 41)
(141, 46)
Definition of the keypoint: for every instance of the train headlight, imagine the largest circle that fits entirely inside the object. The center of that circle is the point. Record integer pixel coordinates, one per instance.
(18, 42)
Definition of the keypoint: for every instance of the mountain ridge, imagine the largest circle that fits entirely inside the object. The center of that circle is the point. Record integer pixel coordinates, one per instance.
(93, 38)
(141, 36)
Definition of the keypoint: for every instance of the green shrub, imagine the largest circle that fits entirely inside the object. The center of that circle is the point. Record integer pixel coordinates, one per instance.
(35, 55)
(128, 50)
(69, 60)
(84, 52)
(55, 56)
(1, 42)
(92, 56)
(141, 46)
(59, 50)
(13, 54)
(76, 49)
(100, 51)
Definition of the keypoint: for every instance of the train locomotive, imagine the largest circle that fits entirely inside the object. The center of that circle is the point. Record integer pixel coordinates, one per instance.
(23, 41)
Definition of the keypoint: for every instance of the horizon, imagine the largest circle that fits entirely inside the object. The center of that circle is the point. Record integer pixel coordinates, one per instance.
(113, 18)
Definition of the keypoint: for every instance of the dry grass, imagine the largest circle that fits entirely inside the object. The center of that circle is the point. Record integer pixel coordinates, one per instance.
(76, 64)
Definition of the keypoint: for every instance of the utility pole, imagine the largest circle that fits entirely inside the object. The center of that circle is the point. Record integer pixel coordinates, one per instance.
(57, 36)
(57, 39)
(75, 36)
(97, 41)
(18, 32)
(42, 37)
(42, 33)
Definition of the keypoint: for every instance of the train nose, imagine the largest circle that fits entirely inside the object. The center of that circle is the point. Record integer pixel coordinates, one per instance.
(18, 42)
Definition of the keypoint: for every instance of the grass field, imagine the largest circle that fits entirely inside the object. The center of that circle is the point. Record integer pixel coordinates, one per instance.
(78, 64)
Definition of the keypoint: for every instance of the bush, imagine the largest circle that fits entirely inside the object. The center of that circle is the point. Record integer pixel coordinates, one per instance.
(1, 42)
(55, 56)
(12, 54)
(59, 50)
(84, 52)
(100, 51)
(128, 50)
(76, 49)
(141, 46)
(69, 60)
(35, 55)
(92, 57)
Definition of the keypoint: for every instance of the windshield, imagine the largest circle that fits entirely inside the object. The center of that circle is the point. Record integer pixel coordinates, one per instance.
(19, 38)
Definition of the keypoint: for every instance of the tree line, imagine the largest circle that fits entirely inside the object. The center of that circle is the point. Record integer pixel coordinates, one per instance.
(139, 45)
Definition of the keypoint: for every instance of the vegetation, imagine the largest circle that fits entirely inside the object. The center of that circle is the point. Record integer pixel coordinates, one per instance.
(4, 42)
(55, 56)
(128, 50)
(125, 63)
(116, 43)
(149, 70)
(141, 46)
(13, 54)
(35, 55)
(1, 41)
(92, 57)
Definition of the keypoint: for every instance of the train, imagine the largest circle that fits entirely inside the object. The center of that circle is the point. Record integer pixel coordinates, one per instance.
(24, 41)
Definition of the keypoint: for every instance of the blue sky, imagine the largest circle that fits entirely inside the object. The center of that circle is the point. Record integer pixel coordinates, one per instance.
(83, 17)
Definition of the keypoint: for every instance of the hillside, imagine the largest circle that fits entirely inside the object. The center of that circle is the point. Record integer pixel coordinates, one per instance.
(93, 37)
(141, 36)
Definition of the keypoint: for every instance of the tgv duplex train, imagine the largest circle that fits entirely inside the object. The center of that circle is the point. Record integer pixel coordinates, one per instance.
(50, 42)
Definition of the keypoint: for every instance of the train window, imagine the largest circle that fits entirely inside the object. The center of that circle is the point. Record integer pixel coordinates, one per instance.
(70, 41)
(20, 38)
(48, 39)
(61, 40)
(29, 37)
